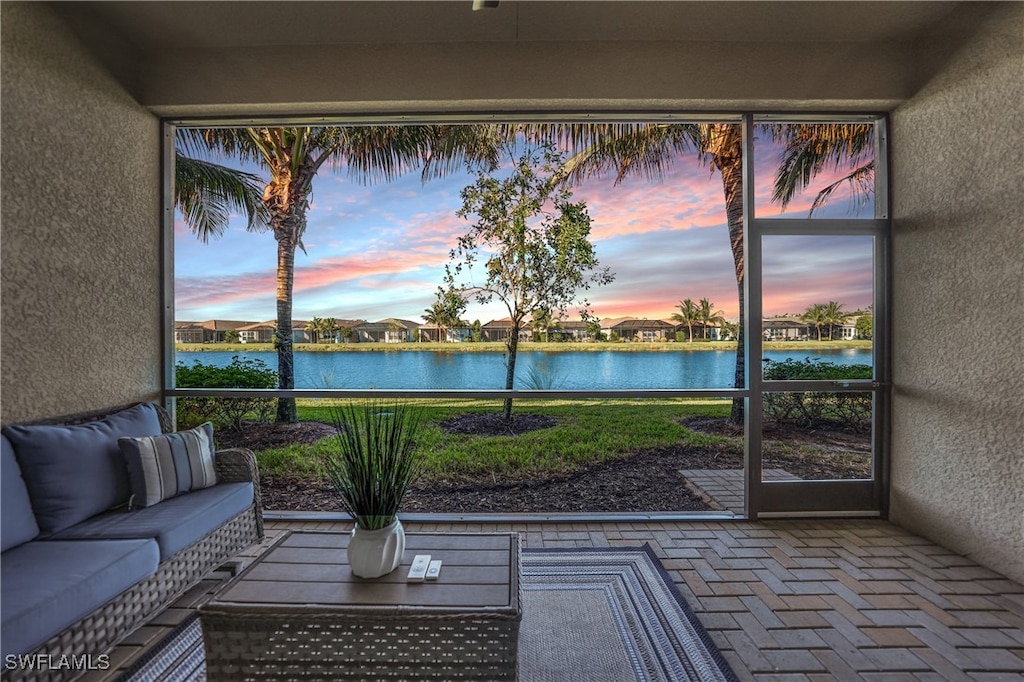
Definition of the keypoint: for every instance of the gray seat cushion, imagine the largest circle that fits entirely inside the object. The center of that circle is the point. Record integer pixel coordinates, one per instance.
(175, 523)
(47, 585)
(17, 523)
(74, 472)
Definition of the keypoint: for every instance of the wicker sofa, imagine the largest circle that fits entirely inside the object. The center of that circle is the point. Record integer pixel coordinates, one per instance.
(81, 568)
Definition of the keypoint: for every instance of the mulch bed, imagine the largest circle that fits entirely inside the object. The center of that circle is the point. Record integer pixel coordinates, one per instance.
(645, 481)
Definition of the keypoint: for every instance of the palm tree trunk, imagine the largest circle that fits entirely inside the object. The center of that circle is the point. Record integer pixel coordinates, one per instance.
(727, 153)
(286, 412)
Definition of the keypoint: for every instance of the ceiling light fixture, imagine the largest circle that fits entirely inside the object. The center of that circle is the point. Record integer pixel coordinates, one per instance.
(484, 4)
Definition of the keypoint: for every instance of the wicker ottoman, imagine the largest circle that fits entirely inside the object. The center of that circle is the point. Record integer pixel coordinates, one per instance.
(298, 612)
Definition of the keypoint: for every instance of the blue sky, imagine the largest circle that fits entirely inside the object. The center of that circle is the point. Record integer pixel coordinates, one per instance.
(379, 251)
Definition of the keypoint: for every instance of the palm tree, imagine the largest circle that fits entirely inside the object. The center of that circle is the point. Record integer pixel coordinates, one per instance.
(833, 315)
(313, 329)
(435, 315)
(292, 156)
(814, 315)
(688, 314)
(329, 327)
(708, 316)
(648, 149)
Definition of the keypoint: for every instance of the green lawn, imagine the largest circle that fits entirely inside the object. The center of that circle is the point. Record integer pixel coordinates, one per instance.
(587, 431)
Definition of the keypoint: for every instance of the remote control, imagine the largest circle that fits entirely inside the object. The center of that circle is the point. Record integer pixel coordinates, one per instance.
(418, 568)
(433, 570)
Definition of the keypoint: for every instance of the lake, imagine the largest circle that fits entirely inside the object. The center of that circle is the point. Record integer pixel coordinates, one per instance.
(570, 370)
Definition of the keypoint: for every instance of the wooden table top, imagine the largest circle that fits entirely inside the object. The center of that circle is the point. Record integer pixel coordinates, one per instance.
(307, 569)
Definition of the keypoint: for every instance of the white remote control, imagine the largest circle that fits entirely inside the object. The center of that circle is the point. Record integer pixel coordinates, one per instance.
(419, 568)
(433, 570)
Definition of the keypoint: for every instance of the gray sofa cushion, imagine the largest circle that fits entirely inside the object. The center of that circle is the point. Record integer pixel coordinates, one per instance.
(17, 524)
(160, 467)
(175, 523)
(74, 472)
(47, 585)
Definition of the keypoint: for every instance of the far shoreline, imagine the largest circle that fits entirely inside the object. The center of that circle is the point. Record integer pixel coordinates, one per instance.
(524, 347)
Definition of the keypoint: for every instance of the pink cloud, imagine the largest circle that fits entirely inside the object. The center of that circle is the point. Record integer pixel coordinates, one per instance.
(220, 290)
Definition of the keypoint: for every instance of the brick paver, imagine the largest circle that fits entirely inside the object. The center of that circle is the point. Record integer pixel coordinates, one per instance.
(845, 599)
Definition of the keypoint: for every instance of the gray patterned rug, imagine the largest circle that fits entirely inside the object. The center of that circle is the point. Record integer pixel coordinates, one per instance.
(589, 614)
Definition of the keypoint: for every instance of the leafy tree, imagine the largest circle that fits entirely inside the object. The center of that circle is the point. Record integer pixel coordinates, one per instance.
(542, 323)
(865, 326)
(648, 149)
(708, 316)
(231, 336)
(532, 241)
(476, 331)
(814, 315)
(688, 314)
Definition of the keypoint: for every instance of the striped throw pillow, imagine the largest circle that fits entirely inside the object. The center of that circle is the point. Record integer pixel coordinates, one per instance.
(160, 467)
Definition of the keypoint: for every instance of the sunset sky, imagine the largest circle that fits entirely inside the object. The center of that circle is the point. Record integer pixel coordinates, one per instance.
(379, 251)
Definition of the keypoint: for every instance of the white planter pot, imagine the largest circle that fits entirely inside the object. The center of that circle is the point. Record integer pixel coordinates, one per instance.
(373, 553)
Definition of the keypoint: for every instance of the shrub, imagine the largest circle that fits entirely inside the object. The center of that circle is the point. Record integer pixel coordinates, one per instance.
(816, 409)
(224, 412)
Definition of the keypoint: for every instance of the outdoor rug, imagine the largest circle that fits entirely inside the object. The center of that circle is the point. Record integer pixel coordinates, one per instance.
(589, 614)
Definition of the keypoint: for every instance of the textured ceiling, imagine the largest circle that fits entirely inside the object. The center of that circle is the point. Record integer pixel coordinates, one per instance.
(162, 25)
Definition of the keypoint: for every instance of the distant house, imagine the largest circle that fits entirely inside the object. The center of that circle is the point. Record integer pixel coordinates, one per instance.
(210, 331)
(570, 330)
(847, 331)
(500, 330)
(390, 330)
(260, 332)
(189, 332)
(432, 332)
(345, 331)
(682, 332)
(787, 329)
(636, 329)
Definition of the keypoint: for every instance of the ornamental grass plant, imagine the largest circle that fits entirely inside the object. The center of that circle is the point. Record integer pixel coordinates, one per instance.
(373, 459)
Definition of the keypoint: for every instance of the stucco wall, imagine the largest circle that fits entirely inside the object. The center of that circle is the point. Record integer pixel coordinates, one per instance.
(80, 227)
(958, 192)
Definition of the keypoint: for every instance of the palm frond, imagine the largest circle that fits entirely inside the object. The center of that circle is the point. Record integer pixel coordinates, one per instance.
(810, 148)
(862, 184)
(208, 193)
(645, 149)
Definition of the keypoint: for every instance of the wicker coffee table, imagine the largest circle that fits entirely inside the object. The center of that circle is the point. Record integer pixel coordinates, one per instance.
(298, 612)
